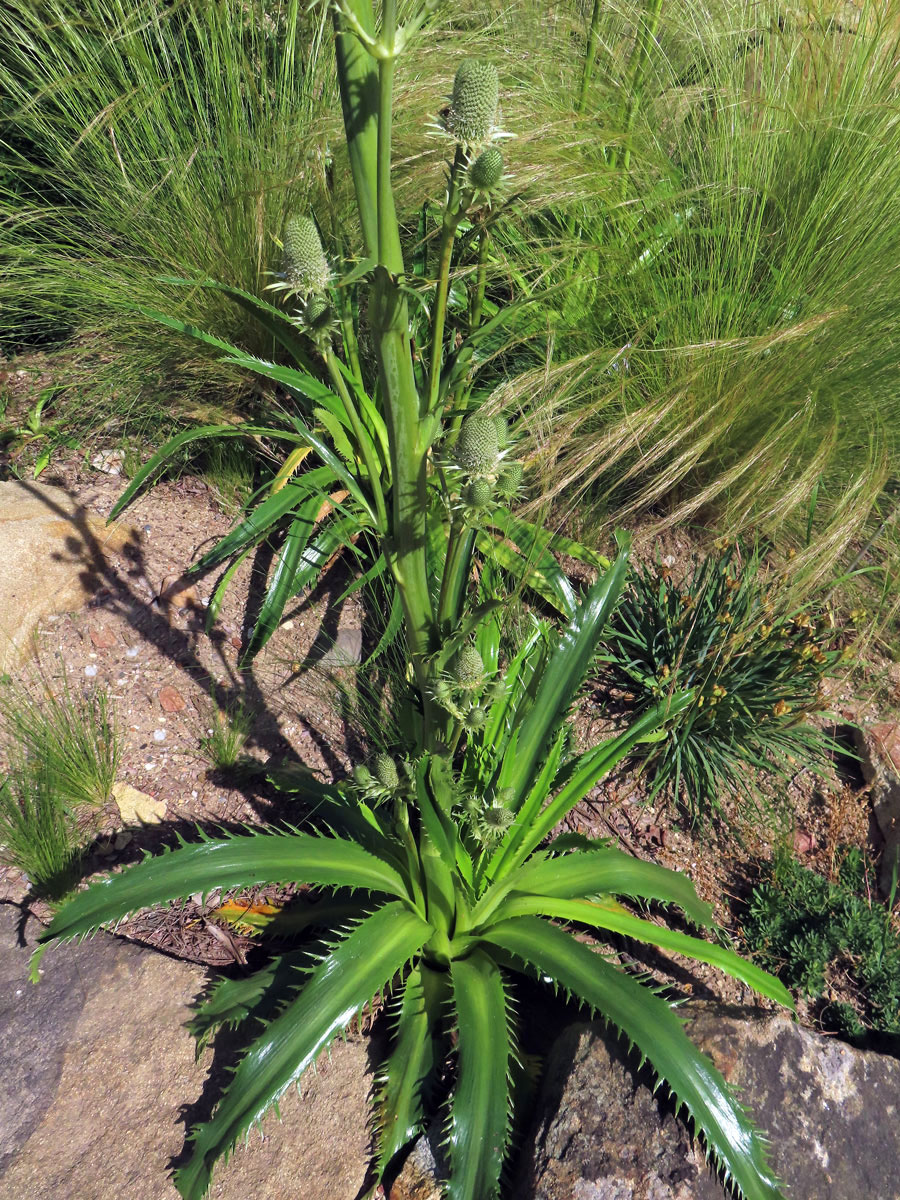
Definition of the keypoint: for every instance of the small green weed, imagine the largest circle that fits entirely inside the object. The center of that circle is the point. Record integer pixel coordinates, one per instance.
(38, 831)
(755, 670)
(814, 934)
(72, 738)
(226, 735)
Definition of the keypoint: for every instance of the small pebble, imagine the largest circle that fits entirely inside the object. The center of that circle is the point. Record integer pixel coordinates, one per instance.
(194, 795)
(131, 652)
(159, 735)
(90, 671)
(149, 766)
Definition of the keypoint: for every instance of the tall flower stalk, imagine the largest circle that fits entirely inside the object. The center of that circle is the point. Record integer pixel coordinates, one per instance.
(432, 867)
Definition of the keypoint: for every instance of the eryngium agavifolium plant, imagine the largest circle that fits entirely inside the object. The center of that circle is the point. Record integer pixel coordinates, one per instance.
(431, 881)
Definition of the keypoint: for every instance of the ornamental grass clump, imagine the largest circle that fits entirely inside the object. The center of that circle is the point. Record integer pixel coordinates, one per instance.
(430, 877)
(755, 669)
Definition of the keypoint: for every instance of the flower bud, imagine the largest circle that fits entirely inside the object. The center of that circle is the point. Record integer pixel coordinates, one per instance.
(473, 105)
(467, 667)
(386, 771)
(487, 170)
(477, 449)
(478, 493)
(510, 480)
(304, 263)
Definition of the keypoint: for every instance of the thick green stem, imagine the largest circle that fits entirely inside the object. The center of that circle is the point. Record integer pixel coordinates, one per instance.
(449, 226)
(590, 57)
(358, 82)
(456, 575)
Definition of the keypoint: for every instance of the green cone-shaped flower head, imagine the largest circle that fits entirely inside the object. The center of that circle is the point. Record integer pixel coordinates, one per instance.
(304, 263)
(477, 448)
(478, 494)
(467, 668)
(473, 105)
(386, 771)
(510, 480)
(486, 171)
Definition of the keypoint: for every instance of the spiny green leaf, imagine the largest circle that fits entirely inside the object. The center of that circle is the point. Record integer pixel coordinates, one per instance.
(651, 1025)
(479, 1113)
(232, 862)
(365, 962)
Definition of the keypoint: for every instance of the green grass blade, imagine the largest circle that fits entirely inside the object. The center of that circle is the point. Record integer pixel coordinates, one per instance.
(355, 969)
(652, 1026)
(241, 861)
(613, 917)
(479, 1115)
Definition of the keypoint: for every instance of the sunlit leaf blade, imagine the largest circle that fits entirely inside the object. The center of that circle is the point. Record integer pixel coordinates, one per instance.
(611, 872)
(615, 919)
(535, 823)
(652, 1026)
(412, 1062)
(541, 573)
(273, 319)
(182, 439)
(533, 543)
(231, 1001)
(589, 873)
(479, 1114)
(215, 600)
(336, 535)
(563, 675)
(279, 589)
(364, 963)
(266, 517)
(242, 861)
(526, 532)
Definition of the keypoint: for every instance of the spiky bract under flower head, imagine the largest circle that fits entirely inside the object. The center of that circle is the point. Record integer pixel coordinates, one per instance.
(304, 263)
(477, 449)
(473, 105)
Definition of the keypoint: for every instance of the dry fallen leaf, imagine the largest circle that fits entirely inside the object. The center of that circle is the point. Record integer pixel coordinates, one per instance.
(137, 807)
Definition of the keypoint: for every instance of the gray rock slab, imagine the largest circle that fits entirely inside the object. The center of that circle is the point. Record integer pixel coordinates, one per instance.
(97, 1066)
(54, 556)
(831, 1113)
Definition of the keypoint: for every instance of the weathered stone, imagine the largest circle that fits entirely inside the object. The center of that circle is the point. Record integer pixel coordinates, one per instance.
(831, 1112)
(171, 700)
(878, 747)
(97, 1066)
(53, 555)
(420, 1176)
(344, 651)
